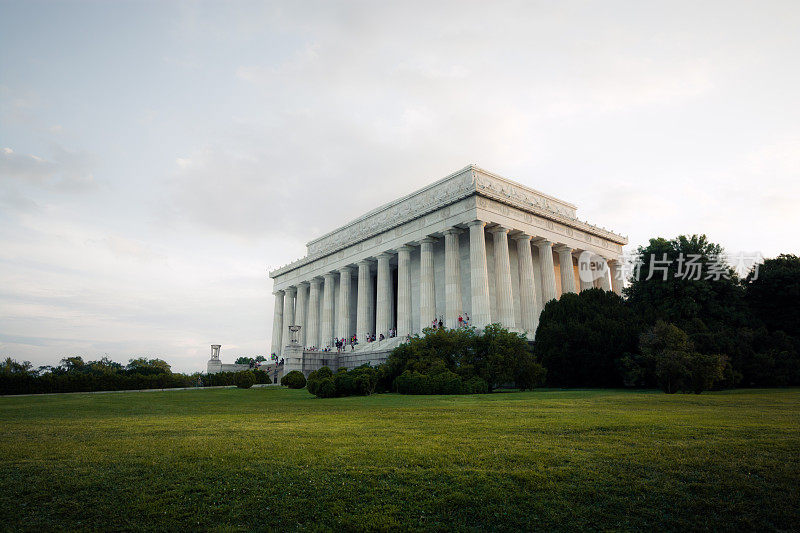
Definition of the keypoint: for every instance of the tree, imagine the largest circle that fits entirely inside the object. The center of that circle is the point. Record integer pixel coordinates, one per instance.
(244, 361)
(668, 359)
(459, 361)
(72, 364)
(103, 366)
(142, 365)
(529, 374)
(500, 356)
(685, 281)
(10, 366)
(581, 337)
(773, 294)
(665, 353)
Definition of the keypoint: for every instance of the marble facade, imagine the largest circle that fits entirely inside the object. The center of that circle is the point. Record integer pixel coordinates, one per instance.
(473, 243)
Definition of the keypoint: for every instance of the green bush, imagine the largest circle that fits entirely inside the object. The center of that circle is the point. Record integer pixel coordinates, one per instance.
(326, 388)
(294, 380)
(245, 379)
(476, 385)
(316, 377)
(444, 382)
(359, 381)
(261, 377)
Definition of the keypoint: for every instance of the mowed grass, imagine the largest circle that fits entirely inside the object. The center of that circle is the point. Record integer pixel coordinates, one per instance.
(274, 458)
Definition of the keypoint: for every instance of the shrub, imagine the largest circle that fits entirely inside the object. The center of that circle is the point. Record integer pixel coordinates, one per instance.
(529, 374)
(244, 379)
(294, 380)
(261, 377)
(476, 385)
(316, 377)
(360, 381)
(326, 388)
(445, 382)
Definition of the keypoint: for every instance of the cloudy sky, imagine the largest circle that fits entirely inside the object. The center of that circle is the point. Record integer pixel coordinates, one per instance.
(157, 158)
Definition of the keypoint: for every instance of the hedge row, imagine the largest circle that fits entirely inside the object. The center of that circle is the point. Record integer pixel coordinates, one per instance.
(411, 382)
(79, 382)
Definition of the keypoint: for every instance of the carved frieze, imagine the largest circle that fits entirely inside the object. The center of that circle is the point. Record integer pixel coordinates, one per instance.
(428, 206)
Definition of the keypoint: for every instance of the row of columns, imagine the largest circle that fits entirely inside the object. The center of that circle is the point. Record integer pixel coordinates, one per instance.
(307, 295)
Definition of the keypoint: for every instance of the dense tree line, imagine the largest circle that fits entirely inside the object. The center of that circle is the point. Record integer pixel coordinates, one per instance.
(683, 325)
(74, 374)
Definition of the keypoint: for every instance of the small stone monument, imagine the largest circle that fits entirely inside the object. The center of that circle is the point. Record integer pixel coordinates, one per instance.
(293, 352)
(214, 364)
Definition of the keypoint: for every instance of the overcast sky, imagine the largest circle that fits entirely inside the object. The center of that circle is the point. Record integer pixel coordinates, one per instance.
(156, 159)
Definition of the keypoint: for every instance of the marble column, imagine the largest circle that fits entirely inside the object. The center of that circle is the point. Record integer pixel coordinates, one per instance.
(565, 266)
(502, 270)
(277, 323)
(312, 331)
(585, 272)
(537, 279)
(300, 310)
(327, 310)
(452, 278)
(404, 291)
(479, 276)
(343, 330)
(363, 305)
(603, 281)
(616, 276)
(548, 270)
(288, 315)
(427, 289)
(528, 306)
(383, 313)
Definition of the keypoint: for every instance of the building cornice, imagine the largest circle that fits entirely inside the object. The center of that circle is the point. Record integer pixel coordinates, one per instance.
(466, 182)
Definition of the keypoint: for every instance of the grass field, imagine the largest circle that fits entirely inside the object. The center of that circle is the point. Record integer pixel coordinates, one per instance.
(273, 458)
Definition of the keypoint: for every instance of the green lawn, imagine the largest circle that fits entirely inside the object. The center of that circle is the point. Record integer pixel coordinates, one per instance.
(274, 458)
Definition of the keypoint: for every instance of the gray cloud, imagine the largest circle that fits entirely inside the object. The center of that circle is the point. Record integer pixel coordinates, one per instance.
(64, 170)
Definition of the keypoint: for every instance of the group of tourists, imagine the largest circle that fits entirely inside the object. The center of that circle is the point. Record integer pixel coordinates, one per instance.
(463, 322)
(341, 344)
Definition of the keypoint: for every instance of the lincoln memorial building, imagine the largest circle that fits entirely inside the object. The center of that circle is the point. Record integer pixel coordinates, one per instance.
(472, 244)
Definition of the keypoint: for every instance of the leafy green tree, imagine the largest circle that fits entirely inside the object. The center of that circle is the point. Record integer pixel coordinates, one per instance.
(500, 356)
(668, 358)
(103, 366)
(686, 281)
(529, 374)
(142, 365)
(73, 364)
(582, 336)
(773, 294)
(445, 361)
(665, 353)
(435, 351)
(10, 366)
(244, 360)
(706, 370)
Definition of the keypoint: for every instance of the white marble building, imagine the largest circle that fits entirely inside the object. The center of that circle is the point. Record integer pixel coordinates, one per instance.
(473, 243)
